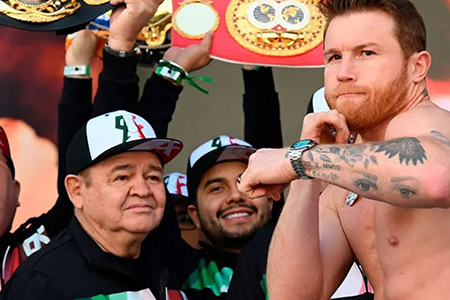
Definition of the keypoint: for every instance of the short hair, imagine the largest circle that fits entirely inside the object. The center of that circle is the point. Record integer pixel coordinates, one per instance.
(86, 176)
(409, 25)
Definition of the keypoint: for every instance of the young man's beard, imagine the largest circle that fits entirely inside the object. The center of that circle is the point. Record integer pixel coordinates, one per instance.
(221, 238)
(386, 102)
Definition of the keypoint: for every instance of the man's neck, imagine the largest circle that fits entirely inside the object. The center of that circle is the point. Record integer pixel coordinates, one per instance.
(121, 244)
(378, 133)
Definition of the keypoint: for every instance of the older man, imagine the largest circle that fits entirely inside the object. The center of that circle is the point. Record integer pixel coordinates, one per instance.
(376, 65)
(115, 182)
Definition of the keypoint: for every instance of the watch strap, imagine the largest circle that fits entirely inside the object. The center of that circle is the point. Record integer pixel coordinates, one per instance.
(121, 53)
(295, 155)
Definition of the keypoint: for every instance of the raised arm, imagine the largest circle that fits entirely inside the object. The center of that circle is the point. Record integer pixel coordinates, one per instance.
(410, 168)
(118, 86)
(159, 99)
(309, 255)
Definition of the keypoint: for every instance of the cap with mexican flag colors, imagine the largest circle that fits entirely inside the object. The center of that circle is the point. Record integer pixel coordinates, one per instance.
(221, 149)
(114, 133)
(176, 184)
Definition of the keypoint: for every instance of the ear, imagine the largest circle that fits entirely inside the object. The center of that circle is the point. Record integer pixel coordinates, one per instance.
(193, 213)
(73, 185)
(421, 63)
(17, 191)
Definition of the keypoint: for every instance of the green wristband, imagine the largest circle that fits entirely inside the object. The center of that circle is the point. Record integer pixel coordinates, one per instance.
(177, 74)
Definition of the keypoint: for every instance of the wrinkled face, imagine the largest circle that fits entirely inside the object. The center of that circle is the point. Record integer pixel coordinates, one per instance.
(126, 193)
(366, 74)
(226, 216)
(9, 197)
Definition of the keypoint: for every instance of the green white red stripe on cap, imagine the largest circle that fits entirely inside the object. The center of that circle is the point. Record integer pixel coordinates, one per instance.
(214, 144)
(115, 128)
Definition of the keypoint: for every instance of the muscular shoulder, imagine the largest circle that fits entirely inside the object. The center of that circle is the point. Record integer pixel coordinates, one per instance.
(420, 121)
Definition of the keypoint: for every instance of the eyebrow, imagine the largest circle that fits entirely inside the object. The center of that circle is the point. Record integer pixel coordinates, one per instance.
(155, 168)
(368, 176)
(356, 48)
(213, 180)
(400, 179)
(122, 167)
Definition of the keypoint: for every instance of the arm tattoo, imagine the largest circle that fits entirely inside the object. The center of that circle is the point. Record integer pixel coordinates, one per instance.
(409, 150)
(365, 181)
(348, 154)
(439, 136)
(330, 176)
(407, 187)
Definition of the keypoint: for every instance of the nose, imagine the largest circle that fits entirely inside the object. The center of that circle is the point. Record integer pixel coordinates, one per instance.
(346, 71)
(235, 195)
(141, 188)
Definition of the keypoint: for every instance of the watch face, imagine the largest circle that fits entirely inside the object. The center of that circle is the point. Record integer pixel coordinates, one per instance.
(302, 143)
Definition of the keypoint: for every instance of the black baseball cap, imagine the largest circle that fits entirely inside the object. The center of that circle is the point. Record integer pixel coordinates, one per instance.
(221, 149)
(114, 133)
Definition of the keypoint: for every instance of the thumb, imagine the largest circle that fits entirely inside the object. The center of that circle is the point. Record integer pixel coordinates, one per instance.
(207, 40)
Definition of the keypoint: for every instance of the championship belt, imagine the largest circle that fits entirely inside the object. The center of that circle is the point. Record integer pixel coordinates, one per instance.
(260, 32)
(49, 15)
(153, 39)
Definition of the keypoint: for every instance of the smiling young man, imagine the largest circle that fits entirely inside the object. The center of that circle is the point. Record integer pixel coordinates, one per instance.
(115, 182)
(227, 218)
(376, 65)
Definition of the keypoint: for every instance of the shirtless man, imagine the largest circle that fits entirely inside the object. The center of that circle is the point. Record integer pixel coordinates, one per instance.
(376, 65)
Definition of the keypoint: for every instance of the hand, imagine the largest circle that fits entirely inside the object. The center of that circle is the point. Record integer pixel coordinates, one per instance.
(268, 173)
(317, 127)
(128, 20)
(82, 49)
(193, 57)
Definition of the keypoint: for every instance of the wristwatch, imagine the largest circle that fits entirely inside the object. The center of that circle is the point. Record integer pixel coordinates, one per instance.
(295, 155)
(135, 52)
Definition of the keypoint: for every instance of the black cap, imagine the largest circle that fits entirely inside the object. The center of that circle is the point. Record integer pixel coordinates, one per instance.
(114, 133)
(221, 149)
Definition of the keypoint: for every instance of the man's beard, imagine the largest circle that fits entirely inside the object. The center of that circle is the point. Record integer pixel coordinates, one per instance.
(383, 105)
(220, 237)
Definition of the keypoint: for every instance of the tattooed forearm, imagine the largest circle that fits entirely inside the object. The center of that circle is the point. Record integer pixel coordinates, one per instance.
(439, 136)
(409, 150)
(407, 187)
(329, 176)
(365, 181)
(315, 165)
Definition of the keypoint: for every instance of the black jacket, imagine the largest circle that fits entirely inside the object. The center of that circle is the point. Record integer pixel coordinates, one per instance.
(73, 266)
